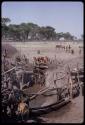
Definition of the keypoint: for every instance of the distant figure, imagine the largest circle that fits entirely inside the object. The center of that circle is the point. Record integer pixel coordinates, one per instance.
(72, 51)
(64, 47)
(69, 47)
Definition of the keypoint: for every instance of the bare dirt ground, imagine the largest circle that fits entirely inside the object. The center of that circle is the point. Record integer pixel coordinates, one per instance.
(73, 112)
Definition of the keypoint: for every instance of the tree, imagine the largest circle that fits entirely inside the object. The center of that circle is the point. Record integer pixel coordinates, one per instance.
(4, 21)
(33, 30)
(48, 33)
(5, 28)
(68, 36)
(59, 35)
(25, 31)
(14, 31)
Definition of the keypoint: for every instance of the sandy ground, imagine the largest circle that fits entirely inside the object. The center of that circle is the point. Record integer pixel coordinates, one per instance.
(73, 112)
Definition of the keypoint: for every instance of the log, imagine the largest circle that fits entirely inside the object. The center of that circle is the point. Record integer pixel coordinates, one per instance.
(9, 70)
(49, 89)
(39, 92)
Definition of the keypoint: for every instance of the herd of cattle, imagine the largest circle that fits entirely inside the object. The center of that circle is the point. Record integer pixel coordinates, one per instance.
(68, 48)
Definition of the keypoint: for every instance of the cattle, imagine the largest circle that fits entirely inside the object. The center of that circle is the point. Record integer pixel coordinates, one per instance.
(58, 46)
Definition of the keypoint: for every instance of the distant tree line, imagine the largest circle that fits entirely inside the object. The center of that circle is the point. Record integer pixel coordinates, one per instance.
(31, 31)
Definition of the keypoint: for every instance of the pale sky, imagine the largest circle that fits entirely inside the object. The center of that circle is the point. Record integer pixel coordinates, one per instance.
(63, 16)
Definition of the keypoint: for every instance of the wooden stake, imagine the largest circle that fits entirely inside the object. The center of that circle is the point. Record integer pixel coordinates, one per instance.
(70, 82)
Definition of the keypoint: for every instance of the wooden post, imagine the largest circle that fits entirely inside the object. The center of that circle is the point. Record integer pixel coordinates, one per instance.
(70, 83)
(78, 74)
(9, 70)
(55, 79)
